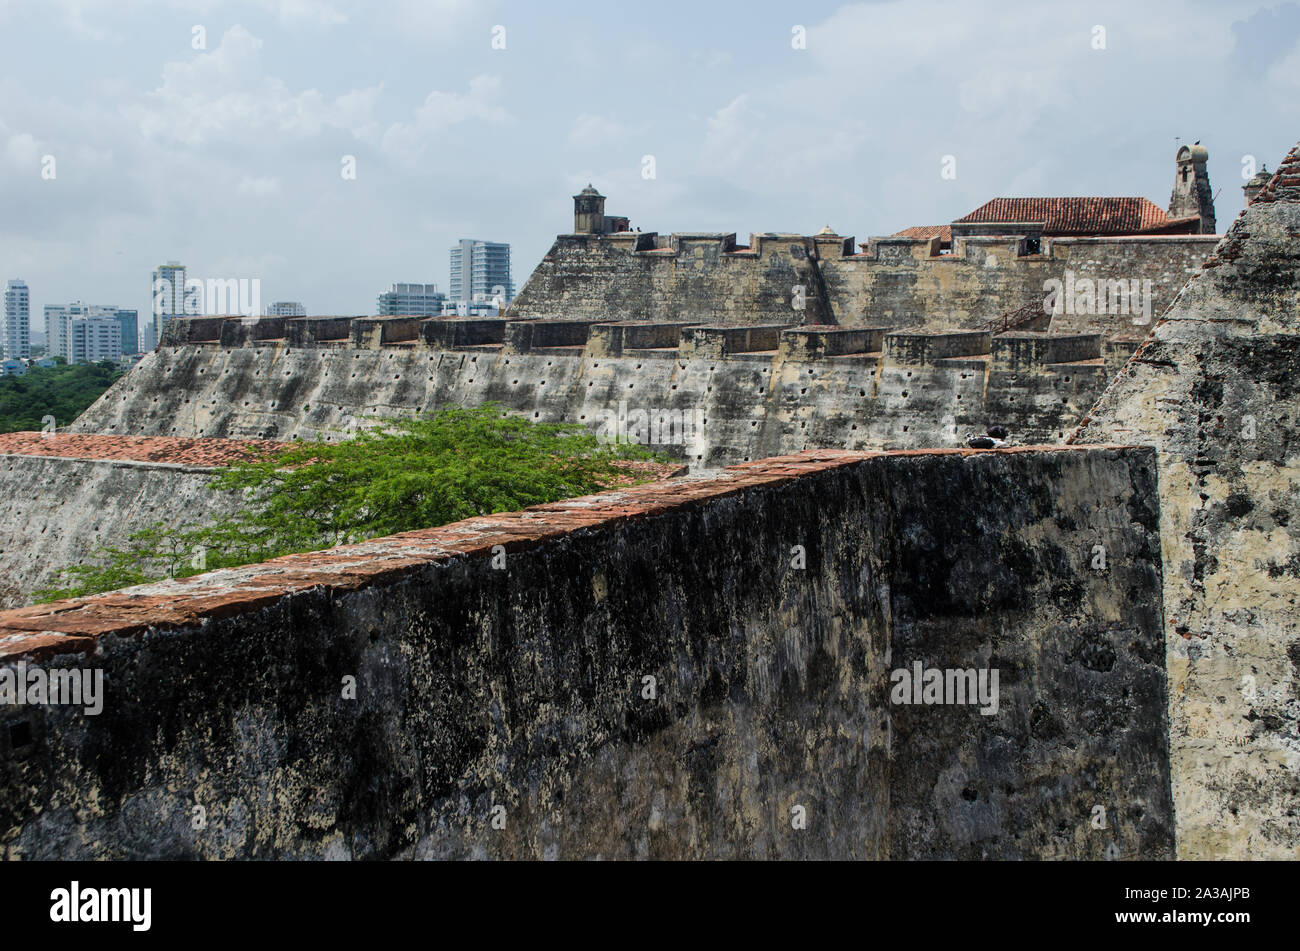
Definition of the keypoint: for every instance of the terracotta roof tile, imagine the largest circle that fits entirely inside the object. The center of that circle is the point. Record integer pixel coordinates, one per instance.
(175, 450)
(1082, 216)
(942, 232)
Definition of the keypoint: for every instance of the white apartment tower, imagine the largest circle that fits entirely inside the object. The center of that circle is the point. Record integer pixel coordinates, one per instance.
(16, 332)
(167, 291)
(480, 271)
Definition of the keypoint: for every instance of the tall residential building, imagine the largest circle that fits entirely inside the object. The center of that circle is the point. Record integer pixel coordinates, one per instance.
(92, 339)
(286, 308)
(16, 333)
(480, 270)
(167, 291)
(82, 333)
(57, 318)
(149, 337)
(418, 300)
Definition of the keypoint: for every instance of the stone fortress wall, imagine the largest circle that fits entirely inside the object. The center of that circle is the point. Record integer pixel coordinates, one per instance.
(745, 392)
(1216, 390)
(898, 283)
(1012, 581)
(518, 692)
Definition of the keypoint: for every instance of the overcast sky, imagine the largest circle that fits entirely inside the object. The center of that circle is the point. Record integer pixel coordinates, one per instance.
(229, 158)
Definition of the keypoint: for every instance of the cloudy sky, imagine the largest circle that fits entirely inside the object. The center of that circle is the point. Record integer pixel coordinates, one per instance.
(215, 133)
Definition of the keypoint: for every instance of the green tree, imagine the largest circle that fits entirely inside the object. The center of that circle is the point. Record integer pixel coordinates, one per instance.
(405, 475)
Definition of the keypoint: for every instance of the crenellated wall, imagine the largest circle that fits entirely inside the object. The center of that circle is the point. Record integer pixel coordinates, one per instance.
(893, 282)
(752, 391)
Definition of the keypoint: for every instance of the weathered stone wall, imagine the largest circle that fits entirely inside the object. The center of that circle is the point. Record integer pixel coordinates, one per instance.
(56, 512)
(524, 687)
(1216, 390)
(748, 392)
(896, 283)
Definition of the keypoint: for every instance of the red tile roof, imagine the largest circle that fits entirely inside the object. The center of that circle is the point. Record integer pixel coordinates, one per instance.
(942, 232)
(1081, 216)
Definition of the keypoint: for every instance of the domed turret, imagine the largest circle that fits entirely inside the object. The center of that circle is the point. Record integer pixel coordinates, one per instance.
(589, 212)
(1257, 182)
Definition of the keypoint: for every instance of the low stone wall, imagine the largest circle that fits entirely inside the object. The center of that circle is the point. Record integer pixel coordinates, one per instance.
(695, 669)
(64, 496)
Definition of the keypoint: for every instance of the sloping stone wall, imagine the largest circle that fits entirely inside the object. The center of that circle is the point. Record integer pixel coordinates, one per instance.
(1216, 390)
(695, 669)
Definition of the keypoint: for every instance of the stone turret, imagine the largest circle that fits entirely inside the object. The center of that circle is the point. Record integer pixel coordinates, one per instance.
(589, 212)
(1252, 187)
(1191, 194)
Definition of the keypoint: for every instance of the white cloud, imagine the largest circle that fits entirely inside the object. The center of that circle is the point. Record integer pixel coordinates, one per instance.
(406, 141)
(258, 187)
(225, 94)
(596, 130)
(731, 133)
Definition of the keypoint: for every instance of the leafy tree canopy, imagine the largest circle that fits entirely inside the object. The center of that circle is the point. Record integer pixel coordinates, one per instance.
(63, 391)
(405, 475)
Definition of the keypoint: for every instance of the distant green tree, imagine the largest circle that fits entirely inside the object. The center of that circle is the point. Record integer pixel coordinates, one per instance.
(406, 475)
(63, 391)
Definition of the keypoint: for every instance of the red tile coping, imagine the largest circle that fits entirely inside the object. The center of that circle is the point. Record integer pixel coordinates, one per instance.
(212, 451)
(74, 625)
(208, 451)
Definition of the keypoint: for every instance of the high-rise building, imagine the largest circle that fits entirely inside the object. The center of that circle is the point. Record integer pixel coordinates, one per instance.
(57, 317)
(149, 337)
(167, 291)
(130, 321)
(92, 339)
(16, 333)
(81, 333)
(417, 300)
(480, 270)
(286, 308)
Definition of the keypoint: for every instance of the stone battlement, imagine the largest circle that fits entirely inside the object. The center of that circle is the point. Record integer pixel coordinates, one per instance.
(630, 339)
(898, 282)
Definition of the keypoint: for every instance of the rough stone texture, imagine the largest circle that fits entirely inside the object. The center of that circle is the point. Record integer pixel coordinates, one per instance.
(1216, 390)
(523, 687)
(55, 512)
(178, 451)
(896, 283)
(806, 388)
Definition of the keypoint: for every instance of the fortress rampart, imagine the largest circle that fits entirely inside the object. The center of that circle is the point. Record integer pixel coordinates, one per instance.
(892, 282)
(656, 672)
(756, 390)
